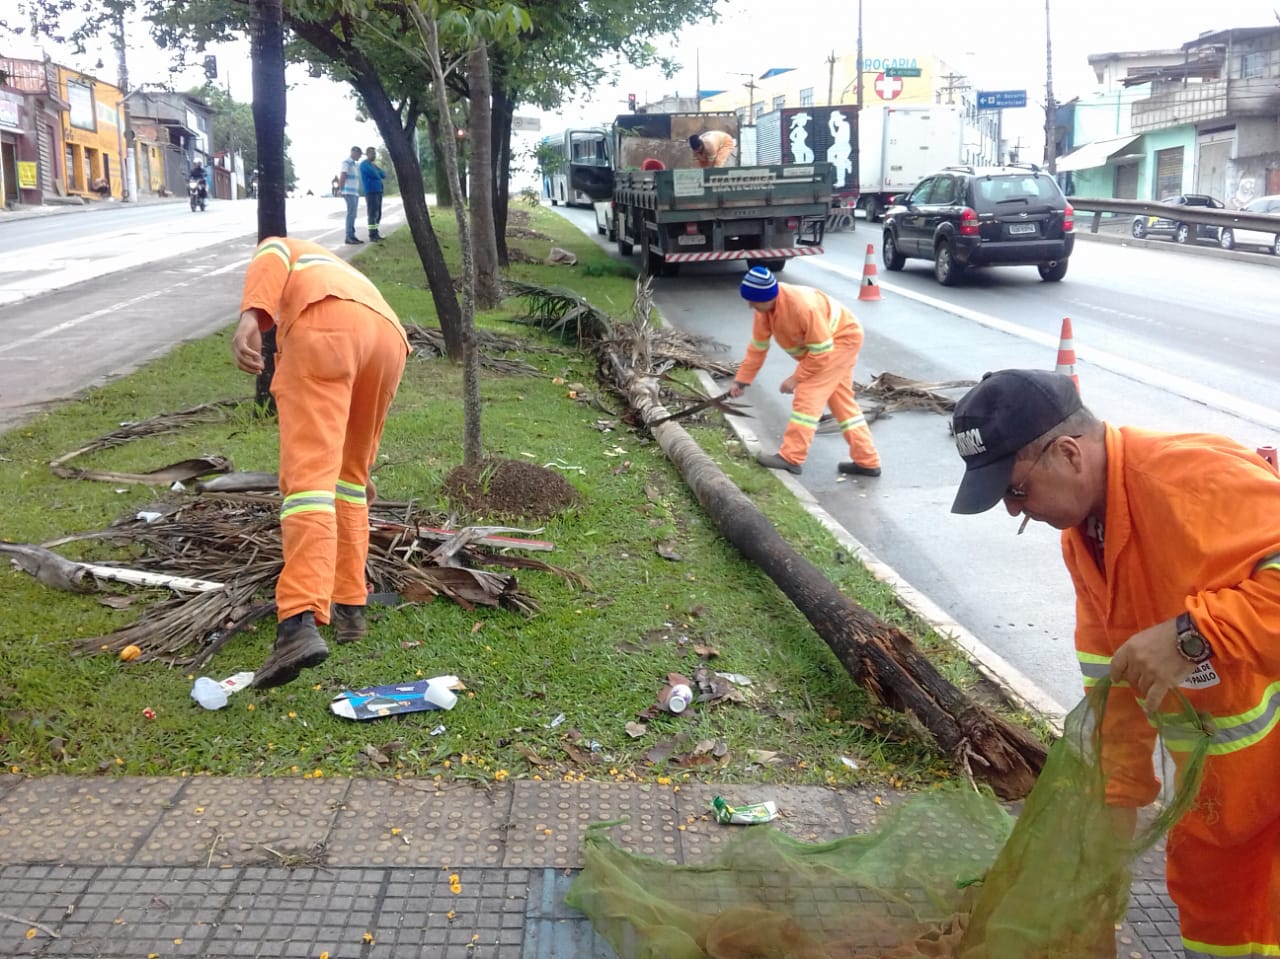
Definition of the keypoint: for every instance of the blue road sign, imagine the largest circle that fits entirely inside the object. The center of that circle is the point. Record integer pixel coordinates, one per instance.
(1001, 99)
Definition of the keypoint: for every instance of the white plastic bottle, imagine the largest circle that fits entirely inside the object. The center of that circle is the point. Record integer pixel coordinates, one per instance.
(209, 693)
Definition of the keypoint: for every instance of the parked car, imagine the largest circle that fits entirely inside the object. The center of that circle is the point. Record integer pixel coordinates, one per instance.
(1143, 226)
(963, 217)
(1233, 236)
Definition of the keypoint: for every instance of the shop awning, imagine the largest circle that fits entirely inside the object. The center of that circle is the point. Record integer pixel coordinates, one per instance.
(1095, 154)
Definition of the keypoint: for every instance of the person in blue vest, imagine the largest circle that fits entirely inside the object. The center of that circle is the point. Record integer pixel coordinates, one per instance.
(371, 177)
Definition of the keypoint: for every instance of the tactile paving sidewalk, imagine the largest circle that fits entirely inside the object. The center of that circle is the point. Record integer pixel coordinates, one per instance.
(361, 869)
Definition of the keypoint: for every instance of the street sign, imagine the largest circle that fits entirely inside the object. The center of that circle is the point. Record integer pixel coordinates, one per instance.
(526, 124)
(1001, 99)
(902, 71)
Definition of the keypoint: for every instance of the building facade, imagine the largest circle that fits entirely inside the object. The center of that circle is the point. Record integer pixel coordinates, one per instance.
(93, 135)
(31, 149)
(1199, 119)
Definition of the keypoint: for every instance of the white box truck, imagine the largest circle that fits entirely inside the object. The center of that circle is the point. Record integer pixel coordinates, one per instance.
(900, 146)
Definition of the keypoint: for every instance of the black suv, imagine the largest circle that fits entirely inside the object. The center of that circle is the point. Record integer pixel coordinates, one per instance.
(965, 217)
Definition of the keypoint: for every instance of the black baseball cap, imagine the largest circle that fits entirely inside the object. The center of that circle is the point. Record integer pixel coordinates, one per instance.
(998, 417)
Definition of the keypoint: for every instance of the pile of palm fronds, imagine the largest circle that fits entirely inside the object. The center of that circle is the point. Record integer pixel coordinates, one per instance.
(894, 393)
(652, 348)
(234, 540)
(429, 341)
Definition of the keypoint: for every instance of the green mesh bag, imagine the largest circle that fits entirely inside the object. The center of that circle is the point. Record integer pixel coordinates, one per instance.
(948, 874)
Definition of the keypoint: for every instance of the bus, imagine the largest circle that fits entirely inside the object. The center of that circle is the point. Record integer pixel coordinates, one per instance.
(575, 155)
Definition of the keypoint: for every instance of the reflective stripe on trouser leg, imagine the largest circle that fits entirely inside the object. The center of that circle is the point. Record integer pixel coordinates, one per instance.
(322, 387)
(373, 207)
(853, 424)
(1228, 898)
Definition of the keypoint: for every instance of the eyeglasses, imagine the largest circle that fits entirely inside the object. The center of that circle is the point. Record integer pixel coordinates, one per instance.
(1019, 492)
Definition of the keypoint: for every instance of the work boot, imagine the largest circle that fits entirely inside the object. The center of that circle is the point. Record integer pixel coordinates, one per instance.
(375, 237)
(348, 622)
(774, 461)
(298, 646)
(353, 240)
(827, 423)
(853, 469)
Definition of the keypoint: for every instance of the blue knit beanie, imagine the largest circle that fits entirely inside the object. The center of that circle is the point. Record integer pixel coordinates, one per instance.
(759, 285)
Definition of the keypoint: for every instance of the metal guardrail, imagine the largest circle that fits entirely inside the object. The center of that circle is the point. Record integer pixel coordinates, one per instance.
(1265, 222)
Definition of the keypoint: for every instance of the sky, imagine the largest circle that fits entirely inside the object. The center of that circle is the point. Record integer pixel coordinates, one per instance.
(1000, 44)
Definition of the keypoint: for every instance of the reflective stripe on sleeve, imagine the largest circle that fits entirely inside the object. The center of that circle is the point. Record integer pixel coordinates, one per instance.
(1095, 668)
(1267, 562)
(1243, 950)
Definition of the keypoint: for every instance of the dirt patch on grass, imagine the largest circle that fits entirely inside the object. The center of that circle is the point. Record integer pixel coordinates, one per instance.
(509, 489)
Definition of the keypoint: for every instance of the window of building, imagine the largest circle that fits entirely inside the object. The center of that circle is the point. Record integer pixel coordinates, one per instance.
(759, 111)
(779, 102)
(806, 97)
(82, 112)
(1253, 65)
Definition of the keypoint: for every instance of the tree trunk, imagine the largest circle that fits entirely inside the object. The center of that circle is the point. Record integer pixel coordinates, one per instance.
(881, 658)
(267, 52)
(472, 448)
(503, 112)
(484, 244)
(444, 193)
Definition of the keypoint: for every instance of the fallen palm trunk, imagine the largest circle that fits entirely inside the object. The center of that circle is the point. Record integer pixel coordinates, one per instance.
(882, 659)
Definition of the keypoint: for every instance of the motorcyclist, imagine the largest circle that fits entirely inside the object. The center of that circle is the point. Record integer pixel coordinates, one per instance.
(197, 174)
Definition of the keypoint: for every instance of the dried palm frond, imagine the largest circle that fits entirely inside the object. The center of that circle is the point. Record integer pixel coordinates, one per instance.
(235, 540)
(215, 412)
(429, 341)
(895, 392)
(562, 311)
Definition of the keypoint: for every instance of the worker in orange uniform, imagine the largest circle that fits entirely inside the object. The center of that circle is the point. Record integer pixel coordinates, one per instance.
(1173, 545)
(340, 354)
(825, 339)
(712, 148)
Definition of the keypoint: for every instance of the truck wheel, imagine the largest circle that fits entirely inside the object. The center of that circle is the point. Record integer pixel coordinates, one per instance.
(945, 268)
(611, 233)
(625, 247)
(872, 206)
(775, 266)
(890, 254)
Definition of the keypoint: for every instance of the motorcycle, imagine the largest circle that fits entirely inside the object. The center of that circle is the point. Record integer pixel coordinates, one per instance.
(198, 192)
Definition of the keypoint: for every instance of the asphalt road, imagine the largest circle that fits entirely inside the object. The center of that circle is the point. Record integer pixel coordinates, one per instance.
(1164, 340)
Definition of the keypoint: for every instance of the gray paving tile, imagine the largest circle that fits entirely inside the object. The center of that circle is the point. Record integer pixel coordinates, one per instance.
(80, 820)
(421, 823)
(242, 821)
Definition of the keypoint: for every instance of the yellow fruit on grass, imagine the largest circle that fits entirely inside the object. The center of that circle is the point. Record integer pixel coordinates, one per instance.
(130, 653)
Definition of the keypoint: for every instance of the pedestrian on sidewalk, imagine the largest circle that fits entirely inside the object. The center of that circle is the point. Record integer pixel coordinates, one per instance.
(371, 177)
(340, 353)
(1173, 545)
(825, 339)
(349, 187)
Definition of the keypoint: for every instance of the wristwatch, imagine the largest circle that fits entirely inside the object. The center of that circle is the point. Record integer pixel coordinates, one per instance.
(1193, 647)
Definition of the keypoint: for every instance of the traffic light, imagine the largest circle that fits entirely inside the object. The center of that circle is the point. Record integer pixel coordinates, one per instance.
(631, 102)
(211, 67)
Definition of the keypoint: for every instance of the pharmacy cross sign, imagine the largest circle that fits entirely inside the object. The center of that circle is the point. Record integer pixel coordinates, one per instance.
(887, 88)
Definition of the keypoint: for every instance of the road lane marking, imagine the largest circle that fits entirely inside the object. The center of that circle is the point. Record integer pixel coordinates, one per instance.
(1112, 362)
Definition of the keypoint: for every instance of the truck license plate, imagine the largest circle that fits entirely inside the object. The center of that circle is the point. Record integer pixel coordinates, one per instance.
(691, 239)
(1020, 229)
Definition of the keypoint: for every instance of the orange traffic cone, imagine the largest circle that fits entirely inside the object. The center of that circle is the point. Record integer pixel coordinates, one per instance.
(870, 288)
(1067, 353)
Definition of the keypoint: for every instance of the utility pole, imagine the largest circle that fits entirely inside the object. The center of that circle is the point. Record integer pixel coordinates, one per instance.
(128, 170)
(858, 66)
(831, 77)
(1050, 108)
(954, 83)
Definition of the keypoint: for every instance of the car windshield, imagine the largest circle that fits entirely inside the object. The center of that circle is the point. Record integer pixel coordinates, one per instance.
(994, 191)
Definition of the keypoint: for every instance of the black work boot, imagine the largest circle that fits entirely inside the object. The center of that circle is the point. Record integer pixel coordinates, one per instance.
(775, 461)
(298, 646)
(854, 469)
(348, 621)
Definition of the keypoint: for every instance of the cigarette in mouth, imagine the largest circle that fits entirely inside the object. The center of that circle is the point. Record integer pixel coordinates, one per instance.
(1025, 521)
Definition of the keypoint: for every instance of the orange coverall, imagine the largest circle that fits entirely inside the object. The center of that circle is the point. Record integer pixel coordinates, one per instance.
(824, 338)
(1193, 523)
(717, 147)
(340, 354)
